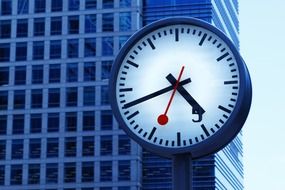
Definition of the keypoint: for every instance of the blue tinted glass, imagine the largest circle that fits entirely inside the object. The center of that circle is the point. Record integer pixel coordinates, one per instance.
(70, 147)
(19, 99)
(90, 47)
(70, 121)
(89, 71)
(73, 24)
(87, 172)
(4, 76)
(106, 120)
(56, 5)
(38, 50)
(88, 120)
(90, 23)
(4, 52)
(125, 3)
(23, 6)
(18, 124)
(88, 146)
(70, 172)
(90, 4)
(53, 122)
(55, 26)
(21, 51)
(34, 174)
(89, 96)
(40, 6)
(107, 46)
(122, 40)
(72, 48)
(55, 49)
(105, 95)
(54, 97)
(3, 100)
(22, 28)
(35, 148)
(37, 74)
(71, 72)
(3, 126)
(125, 21)
(73, 5)
(124, 145)
(54, 73)
(52, 147)
(52, 173)
(36, 98)
(2, 149)
(106, 69)
(108, 4)
(6, 7)
(5, 29)
(108, 22)
(16, 174)
(2, 174)
(36, 123)
(39, 27)
(105, 171)
(106, 145)
(124, 170)
(20, 75)
(17, 149)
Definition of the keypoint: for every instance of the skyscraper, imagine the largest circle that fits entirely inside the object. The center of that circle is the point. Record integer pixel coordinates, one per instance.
(56, 126)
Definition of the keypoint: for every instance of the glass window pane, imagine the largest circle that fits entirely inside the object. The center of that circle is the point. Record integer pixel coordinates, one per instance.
(70, 147)
(39, 26)
(105, 95)
(125, 3)
(88, 146)
(55, 26)
(88, 120)
(37, 98)
(54, 73)
(106, 145)
(6, 7)
(89, 71)
(106, 120)
(20, 75)
(124, 145)
(5, 29)
(4, 76)
(52, 173)
(3, 100)
(73, 5)
(72, 48)
(18, 124)
(71, 72)
(55, 49)
(4, 52)
(3, 125)
(56, 5)
(89, 96)
(105, 171)
(73, 24)
(108, 4)
(90, 23)
(37, 74)
(16, 174)
(34, 174)
(90, 47)
(54, 97)
(107, 46)
(53, 122)
(22, 27)
(2, 174)
(70, 121)
(17, 149)
(23, 6)
(125, 21)
(90, 4)
(87, 172)
(19, 99)
(36, 123)
(122, 40)
(2, 149)
(106, 69)
(70, 172)
(38, 50)
(108, 22)
(35, 148)
(21, 51)
(124, 170)
(40, 6)
(52, 148)
(71, 96)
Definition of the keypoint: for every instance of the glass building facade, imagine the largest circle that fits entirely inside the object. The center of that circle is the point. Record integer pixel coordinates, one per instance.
(56, 126)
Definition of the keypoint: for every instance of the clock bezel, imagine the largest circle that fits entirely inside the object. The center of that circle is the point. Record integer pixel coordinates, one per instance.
(228, 130)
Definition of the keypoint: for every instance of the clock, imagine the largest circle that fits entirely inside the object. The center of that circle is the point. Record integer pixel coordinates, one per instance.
(179, 85)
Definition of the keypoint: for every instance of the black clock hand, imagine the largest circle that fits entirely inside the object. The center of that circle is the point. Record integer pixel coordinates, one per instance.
(154, 94)
(196, 108)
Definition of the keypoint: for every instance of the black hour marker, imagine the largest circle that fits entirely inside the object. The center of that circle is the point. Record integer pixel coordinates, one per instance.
(202, 39)
(166, 143)
(124, 72)
(229, 59)
(135, 127)
(224, 109)
(233, 70)
(178, 139)
(184, 142)
(234, 76)
(153, 37)
(132, 63)
(223, 56)
(144, 135)
(160, 141)
(125, 89)
(196, 139)
(122, 78)
(135, 52)
(150, 43)
(188, 30)
(132, 57)
(231, 106)
(144, 43)
(140, 131)
(123, 101)
(232, 64)
(170, 31)
(122, 95)
(218, 46)
(140, 48)
(199, 34)
(176, 35)
(165, 33)
(172, 143)
(133, 115)
(132, 122)
(159, 34)
(234, 93)
(154, 140)
(126, 67)
(205, 130)
(213, 130)
(231, 82)
(190, 141)
(221, 121)
(216, 125)
(151, 133)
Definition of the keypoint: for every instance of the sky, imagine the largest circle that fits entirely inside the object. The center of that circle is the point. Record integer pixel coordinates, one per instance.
(262, 44)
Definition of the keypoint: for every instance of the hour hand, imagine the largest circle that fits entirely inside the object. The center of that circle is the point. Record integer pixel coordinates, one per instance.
(196, 108)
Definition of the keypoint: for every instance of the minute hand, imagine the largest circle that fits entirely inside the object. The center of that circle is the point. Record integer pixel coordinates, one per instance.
(154, 94)
(196, 108)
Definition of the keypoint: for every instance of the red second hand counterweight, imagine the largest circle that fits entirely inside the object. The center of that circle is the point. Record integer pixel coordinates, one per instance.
(163, 119)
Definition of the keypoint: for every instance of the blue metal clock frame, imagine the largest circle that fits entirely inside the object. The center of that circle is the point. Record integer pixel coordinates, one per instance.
(230, 128)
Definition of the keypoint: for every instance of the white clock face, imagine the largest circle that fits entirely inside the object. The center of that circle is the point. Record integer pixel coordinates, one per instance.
(177, 86)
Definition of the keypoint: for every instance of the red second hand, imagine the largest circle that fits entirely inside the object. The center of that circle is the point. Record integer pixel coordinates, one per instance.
(163, 119)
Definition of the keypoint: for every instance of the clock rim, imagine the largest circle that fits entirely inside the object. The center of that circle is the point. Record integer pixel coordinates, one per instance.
(228, 130)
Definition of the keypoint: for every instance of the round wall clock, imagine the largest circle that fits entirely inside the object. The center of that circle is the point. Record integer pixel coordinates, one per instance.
(178, 86)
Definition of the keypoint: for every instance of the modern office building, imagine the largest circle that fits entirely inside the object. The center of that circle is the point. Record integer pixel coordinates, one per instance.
(56, 126)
